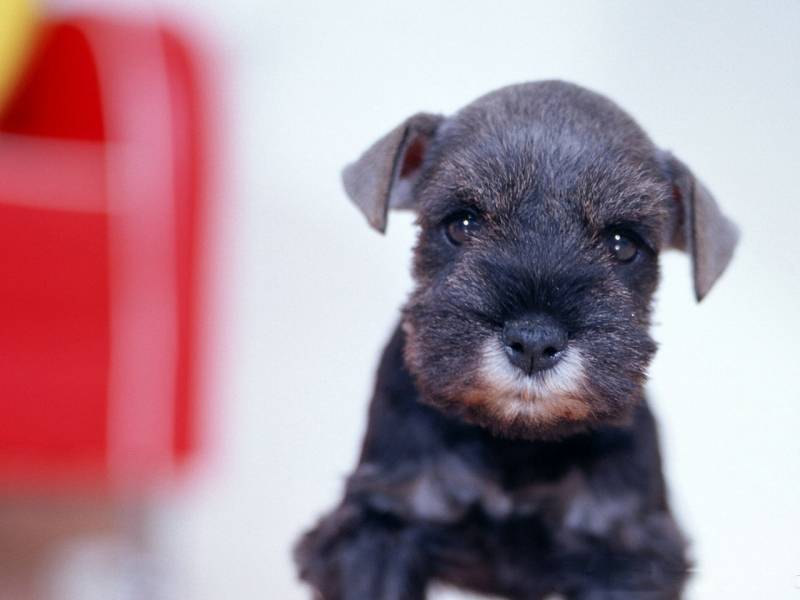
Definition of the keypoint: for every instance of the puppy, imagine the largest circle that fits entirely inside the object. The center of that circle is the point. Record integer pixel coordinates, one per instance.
(510, 449)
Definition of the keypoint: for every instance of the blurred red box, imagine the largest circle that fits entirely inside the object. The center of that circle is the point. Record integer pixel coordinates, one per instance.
(103, 170)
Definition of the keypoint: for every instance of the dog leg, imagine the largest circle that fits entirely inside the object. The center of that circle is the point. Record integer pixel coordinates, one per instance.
(610, 594)
(630, 578)
(354, 554)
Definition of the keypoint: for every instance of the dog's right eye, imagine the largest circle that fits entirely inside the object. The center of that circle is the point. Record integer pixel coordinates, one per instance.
(460, 226)
(623, 246)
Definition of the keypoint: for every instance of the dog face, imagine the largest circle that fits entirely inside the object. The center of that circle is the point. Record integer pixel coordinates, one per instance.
(542, 209)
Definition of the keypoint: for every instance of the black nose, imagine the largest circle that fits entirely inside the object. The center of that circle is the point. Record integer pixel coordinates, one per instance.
(534, 343)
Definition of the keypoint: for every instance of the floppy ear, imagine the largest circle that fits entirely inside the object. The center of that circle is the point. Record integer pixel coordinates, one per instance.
(700, 228)
(384, 176)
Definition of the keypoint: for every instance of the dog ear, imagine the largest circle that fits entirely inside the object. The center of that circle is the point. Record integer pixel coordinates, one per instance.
(384, 176)
(700, 228)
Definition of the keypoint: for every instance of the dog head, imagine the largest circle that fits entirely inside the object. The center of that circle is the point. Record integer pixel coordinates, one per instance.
(542, 209)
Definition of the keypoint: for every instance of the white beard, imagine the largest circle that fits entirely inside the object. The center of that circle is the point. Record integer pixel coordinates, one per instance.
(537, 397)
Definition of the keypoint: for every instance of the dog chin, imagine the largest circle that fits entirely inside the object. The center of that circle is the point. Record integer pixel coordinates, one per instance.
(519, 405)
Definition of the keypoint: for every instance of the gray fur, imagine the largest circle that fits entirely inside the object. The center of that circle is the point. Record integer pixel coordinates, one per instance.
(475, 470)
(698, 226)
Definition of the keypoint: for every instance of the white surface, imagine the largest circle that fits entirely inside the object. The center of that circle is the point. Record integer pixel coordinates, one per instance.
(313, 293)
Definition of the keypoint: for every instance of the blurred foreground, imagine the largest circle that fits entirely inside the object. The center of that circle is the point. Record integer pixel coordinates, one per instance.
(104, 179)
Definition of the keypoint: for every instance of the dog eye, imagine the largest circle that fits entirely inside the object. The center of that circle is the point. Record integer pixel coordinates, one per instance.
(460, 226)
(623, 246)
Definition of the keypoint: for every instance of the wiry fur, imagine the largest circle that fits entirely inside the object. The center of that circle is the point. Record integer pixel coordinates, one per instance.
(472, 472)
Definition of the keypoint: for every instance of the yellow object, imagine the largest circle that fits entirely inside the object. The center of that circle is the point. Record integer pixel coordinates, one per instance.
(19, 22)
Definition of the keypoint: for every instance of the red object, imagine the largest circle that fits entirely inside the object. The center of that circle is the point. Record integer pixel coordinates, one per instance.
(103, 169)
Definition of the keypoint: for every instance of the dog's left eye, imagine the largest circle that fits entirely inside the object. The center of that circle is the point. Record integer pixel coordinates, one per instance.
(623, 246)
(460, 226)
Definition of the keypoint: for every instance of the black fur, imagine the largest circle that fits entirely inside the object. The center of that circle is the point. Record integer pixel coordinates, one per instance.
(437, 499)
(516, 494)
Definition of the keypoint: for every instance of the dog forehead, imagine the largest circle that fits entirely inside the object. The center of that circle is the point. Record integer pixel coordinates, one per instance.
(548, 107)
(543, 143)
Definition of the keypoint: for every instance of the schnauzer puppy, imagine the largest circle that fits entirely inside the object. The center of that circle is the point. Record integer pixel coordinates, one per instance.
(510, 449)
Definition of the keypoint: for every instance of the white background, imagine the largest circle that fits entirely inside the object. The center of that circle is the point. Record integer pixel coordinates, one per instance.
(310, 293)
